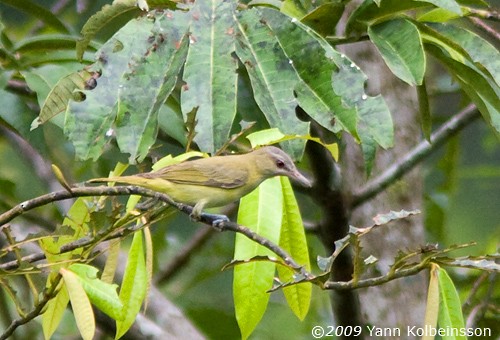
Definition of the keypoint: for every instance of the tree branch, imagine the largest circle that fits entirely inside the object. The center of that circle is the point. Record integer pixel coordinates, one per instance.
(413, 157)
(134, 190)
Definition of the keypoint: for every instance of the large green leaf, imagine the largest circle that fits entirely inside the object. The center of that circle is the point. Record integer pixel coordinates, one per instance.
(134, 285)
(261, 211)
(139, 66)
(450, 307)
(210, 73)
(271, 74)
(146, 87)
(293, 240)
(400, 44)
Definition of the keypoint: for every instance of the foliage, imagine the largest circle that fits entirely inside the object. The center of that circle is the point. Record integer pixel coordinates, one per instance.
(216, 76)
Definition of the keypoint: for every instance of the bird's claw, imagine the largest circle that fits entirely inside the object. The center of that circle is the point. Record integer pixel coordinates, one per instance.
(217, 220)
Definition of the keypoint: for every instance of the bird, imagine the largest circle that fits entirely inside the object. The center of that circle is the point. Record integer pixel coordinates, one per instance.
(215, 181)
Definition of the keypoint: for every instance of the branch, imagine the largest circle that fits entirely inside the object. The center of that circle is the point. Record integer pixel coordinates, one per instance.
(412, 158)
(485, 27)
(48, 294)
(134, 190)
(376, 281)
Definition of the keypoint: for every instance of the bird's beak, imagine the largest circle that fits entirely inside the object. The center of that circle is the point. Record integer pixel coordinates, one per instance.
(301, 179)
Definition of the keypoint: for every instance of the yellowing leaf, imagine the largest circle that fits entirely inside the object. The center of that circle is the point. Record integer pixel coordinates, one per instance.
(84, 315)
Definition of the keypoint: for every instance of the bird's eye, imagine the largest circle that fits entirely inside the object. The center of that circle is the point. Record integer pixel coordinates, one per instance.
(280, 164)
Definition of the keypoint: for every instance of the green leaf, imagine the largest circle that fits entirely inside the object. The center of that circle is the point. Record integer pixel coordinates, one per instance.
(139, 65)
(42, 79)
(103, 295)
(99, 20)
(425, 111)
(42, 13)
(146, 87)
(481, 90)
(450, 5)
(261, 211)
(134, 285)
(58, 98)
(52, 316)
(274, 135)
(369, 13)
(478, 49)
(210, 73)
(450, 308)
(293, 240)
(82, 310)
(432, 305)
(324, 18)
(400, 44)
(109, 270)
(271, 74)
(438, 15)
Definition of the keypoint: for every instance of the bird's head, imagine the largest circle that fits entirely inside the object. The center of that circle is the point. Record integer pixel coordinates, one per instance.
(272, 161)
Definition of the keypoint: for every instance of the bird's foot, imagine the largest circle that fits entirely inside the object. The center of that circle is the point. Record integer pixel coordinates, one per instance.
(217, 220)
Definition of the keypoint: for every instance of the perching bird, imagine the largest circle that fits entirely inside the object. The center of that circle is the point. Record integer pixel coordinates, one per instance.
(215, 181)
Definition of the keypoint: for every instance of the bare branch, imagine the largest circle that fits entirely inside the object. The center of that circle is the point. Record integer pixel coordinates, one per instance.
(413, 157)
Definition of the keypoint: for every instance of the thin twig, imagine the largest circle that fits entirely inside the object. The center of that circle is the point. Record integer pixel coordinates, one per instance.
(376, 281)
(413, 157)
(485, 27)
(47, 296)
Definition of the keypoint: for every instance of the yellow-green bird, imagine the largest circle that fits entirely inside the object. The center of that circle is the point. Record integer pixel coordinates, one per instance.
(215, 181)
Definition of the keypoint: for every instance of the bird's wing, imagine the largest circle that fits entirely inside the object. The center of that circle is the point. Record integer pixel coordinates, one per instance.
(202, 173)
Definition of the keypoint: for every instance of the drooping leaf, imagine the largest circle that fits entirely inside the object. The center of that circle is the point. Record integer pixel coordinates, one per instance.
(261, 211)
(293, 240)
(210, 73)
(479, 50)
(109, 270)
(481, 90)
(54, 312)
(450, 307)
(82, 310)
(432, 305)
(134, 285)
(425, 111)
(103, 295)
(400, 44)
